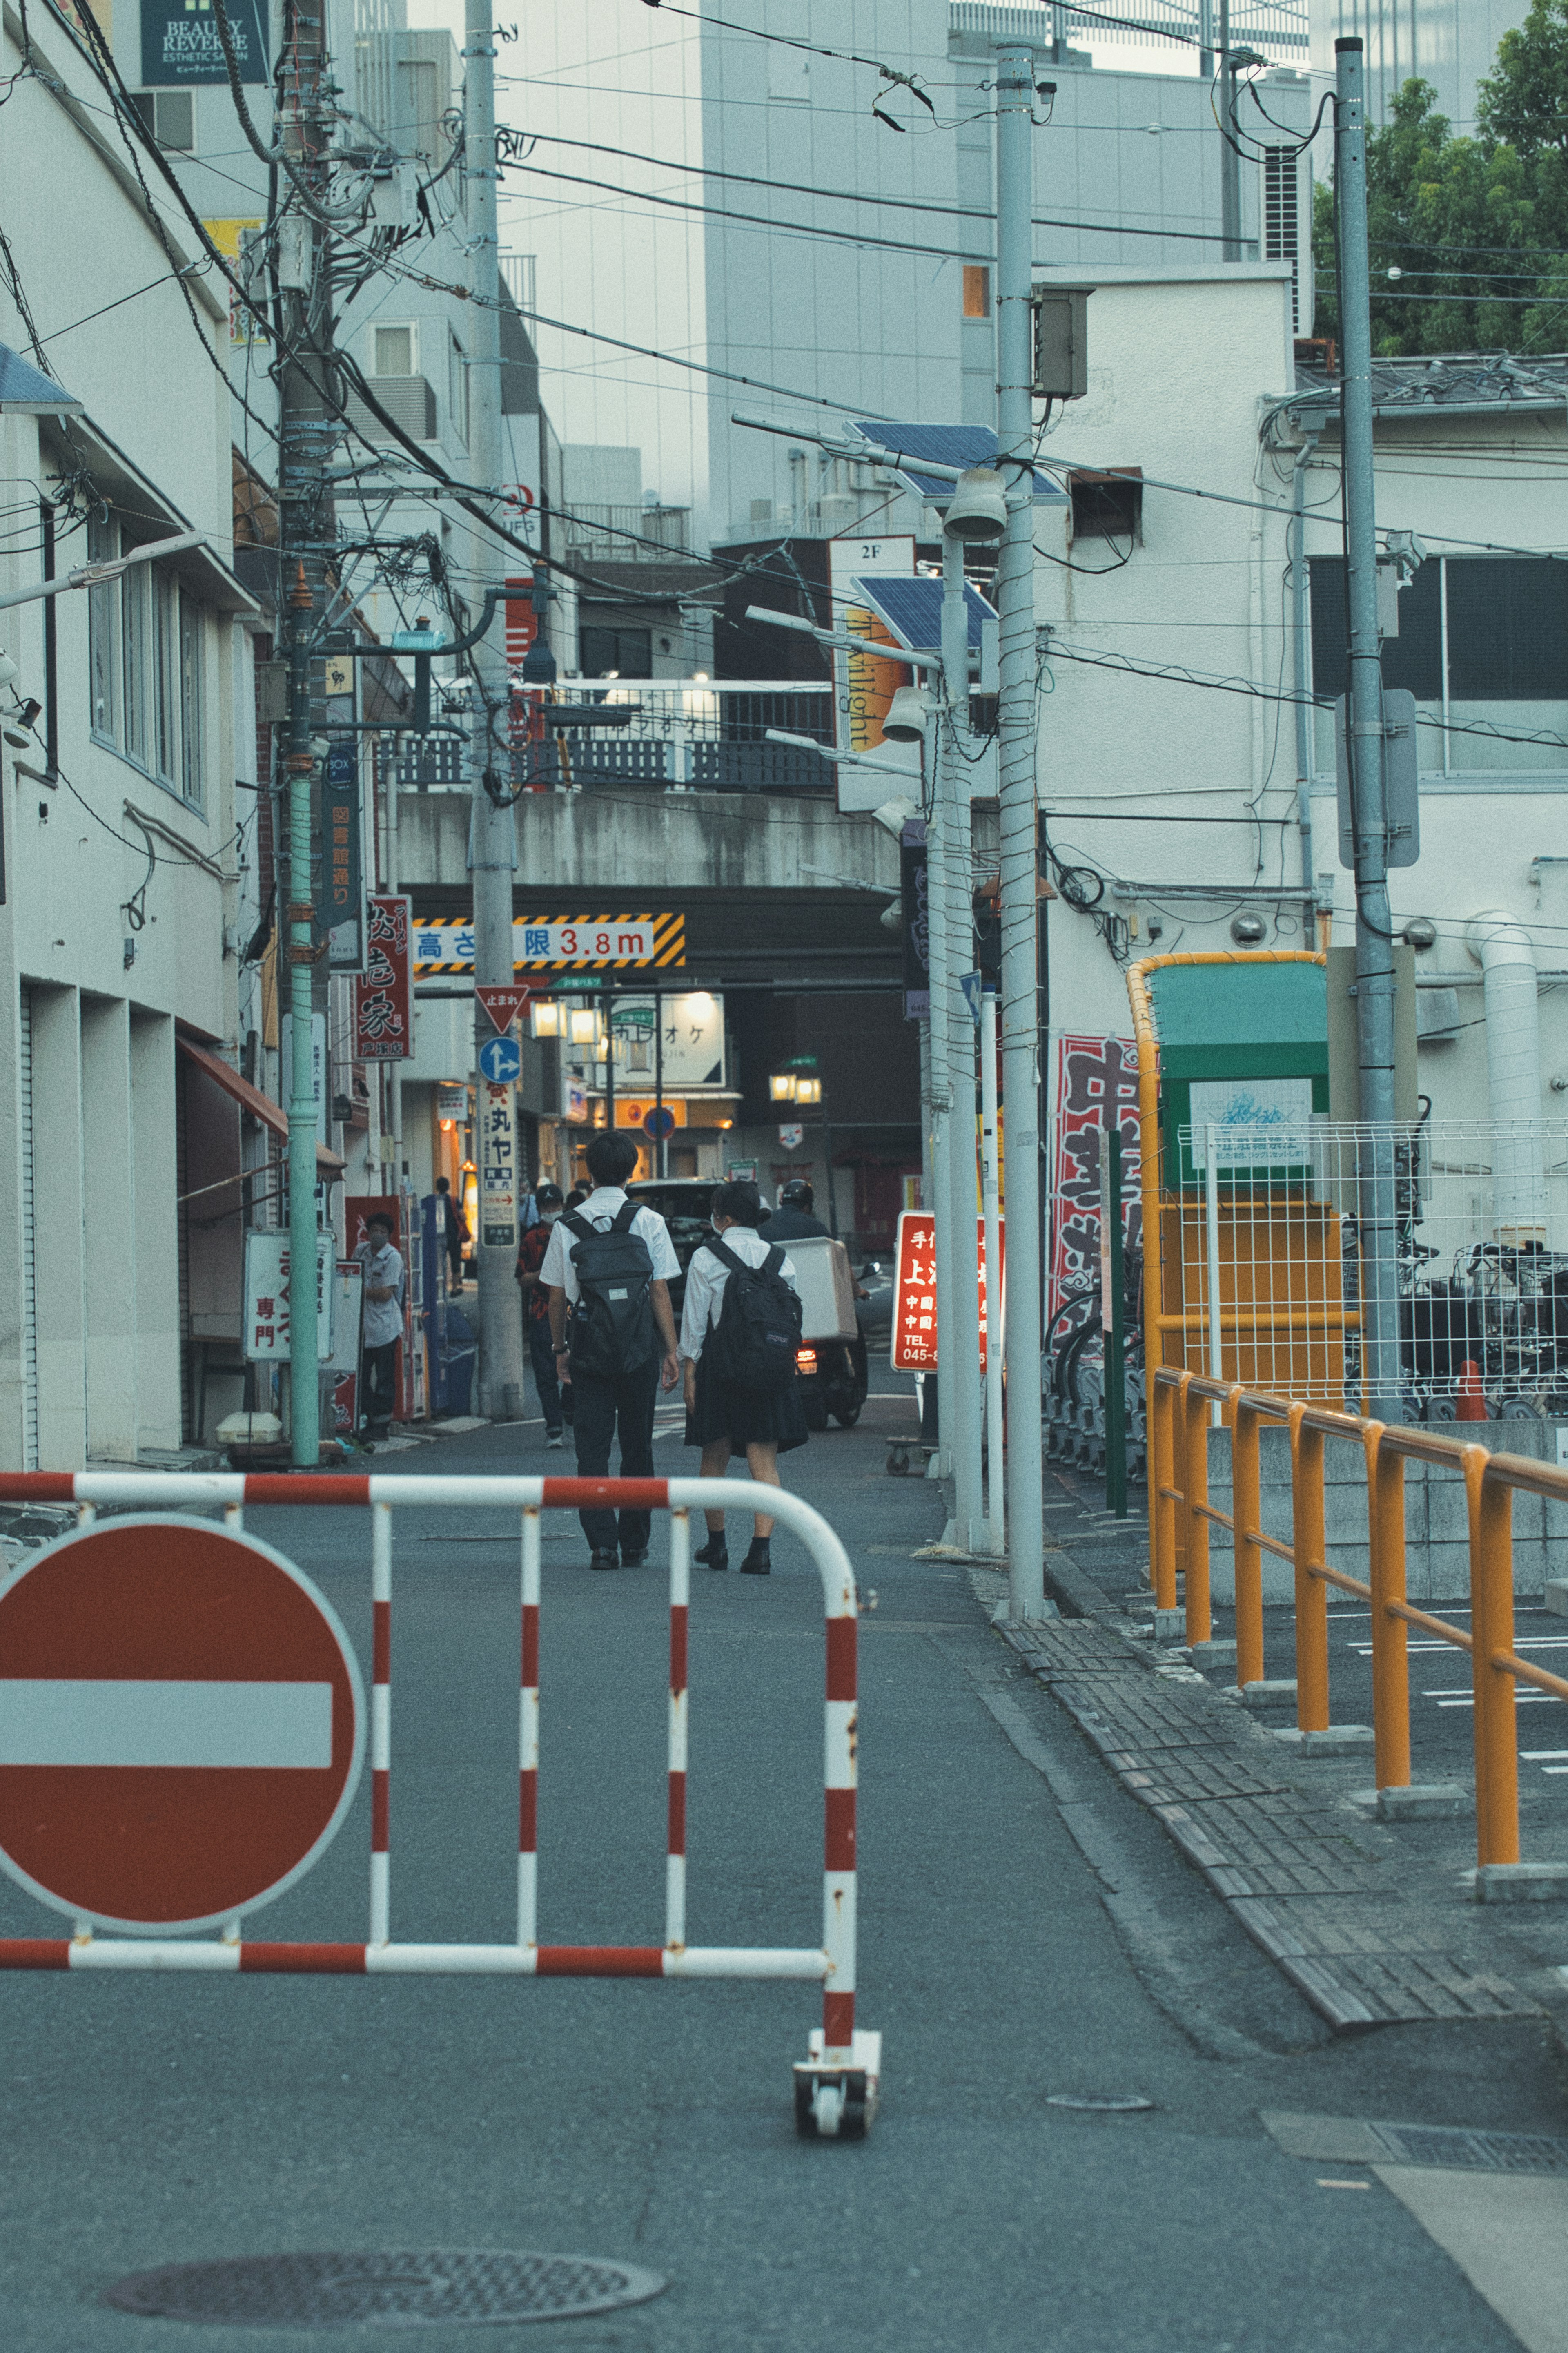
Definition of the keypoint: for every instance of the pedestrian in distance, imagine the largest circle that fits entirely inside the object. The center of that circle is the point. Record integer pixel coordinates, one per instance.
(457, 1235)
(381, 1327)
(792, 1220)
(608, 1268)
(536, 1310)
(739, 1329)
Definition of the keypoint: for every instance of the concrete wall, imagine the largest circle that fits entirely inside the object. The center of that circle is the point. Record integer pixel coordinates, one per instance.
(1436, 1547)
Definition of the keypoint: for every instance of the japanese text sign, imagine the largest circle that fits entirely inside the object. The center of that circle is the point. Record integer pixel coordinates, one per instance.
(915, 1333)
(265, 1324)
(495, 1117)
(339, 910)
(384, 1005)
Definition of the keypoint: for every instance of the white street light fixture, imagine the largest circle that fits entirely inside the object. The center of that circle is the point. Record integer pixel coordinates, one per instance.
(95, 575)
(783, 1087)
(978, 509)
(907, 717)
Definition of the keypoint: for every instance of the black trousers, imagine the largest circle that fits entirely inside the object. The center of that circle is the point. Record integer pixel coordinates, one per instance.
(602, 1405)
(380, 1383)
(541, 1355)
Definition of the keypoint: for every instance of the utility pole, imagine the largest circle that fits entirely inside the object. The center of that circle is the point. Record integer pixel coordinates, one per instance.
(307, 434)
(1230, 161)
(492, 853)
(962, 1327)
(939, 1027)
(1377, 1205)
(1017, 725)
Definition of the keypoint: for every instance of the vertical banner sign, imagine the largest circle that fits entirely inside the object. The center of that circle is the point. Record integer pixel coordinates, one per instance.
(384, 998)
(496, 1122)
(1096, 1078)
(180, 42)
(866, 683)
(340, 898)
(266, 1327)
(914, 1349)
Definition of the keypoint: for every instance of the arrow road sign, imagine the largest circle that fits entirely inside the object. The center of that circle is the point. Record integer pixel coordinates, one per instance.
(502, 1003)
(500, 1060)
(182, 1724)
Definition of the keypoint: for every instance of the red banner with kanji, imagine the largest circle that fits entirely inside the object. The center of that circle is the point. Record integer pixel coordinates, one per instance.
(384, 993)
(914, 1290)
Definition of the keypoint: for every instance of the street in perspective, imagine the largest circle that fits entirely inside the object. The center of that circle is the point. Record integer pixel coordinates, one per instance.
(781, 1108)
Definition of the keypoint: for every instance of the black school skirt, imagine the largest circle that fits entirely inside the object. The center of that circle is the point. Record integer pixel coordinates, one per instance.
(745, 1417)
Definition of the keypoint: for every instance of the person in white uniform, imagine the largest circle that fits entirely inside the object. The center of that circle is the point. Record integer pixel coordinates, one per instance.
(721, 1417)
(381, 1328)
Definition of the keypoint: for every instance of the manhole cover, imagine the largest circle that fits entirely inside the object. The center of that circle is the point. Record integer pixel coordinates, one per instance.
(1106, 2103)
(1477, 2152)
(398, 2288)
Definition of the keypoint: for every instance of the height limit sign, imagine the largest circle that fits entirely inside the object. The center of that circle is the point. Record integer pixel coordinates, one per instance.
(498, 1165)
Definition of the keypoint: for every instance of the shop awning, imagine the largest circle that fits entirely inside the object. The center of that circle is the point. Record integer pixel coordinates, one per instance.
(250, 1099)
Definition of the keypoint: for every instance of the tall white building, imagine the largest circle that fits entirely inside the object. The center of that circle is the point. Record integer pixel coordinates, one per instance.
(1452, 43)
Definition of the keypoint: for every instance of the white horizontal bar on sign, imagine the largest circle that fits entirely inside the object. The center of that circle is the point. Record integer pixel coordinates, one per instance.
(203, 1724)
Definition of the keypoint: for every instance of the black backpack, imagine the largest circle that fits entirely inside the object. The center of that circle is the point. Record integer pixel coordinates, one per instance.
(611, 1330)
(753, 1344)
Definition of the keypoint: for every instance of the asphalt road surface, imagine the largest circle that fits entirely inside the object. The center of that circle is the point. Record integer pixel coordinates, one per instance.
(150, 2120)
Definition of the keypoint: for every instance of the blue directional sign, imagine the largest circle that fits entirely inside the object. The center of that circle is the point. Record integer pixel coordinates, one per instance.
(500, 1060)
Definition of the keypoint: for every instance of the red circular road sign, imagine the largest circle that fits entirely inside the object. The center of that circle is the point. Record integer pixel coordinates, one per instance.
(182, 1724)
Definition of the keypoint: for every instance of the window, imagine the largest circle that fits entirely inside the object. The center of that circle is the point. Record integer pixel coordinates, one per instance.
(169, 116)
(1482, 643)
(393, 350)
(146, 659)
(458, 390)
(977, 290)
(1108, 506)
(628, 652)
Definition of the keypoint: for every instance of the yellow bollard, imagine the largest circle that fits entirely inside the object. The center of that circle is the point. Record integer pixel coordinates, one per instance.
(1490, 1504)
(1390, 1632)
(1246, 1510)
(1311, 1593)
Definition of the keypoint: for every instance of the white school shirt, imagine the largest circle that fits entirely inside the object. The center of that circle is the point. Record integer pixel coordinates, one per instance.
(706, 1277)
(383, 1317)
(601, 1209)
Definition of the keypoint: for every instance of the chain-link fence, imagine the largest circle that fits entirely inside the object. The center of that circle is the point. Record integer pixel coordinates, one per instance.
(1260, 1243)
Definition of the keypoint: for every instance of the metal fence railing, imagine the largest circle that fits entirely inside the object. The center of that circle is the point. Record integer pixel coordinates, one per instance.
(1181, 1517)
(1261, 1229)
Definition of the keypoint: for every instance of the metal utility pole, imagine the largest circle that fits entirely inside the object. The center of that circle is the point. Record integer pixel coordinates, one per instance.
(1376, 1205)
(1230, 161)
(306, 532)
(939, 1026)
(492, 853)
(959, 1337)
(1017, 708)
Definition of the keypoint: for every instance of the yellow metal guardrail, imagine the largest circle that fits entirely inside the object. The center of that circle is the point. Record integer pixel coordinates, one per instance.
(1180, 1518)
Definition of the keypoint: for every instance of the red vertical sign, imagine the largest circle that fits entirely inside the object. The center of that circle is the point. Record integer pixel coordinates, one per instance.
(384, 993)
(914, 1291)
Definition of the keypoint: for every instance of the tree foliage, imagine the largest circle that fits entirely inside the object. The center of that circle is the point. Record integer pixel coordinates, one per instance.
(1475, 229)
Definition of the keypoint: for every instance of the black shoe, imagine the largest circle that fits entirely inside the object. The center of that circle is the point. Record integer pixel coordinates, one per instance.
(715, 1553)
(758, 1561)
(603, 1560)
(633, 1559)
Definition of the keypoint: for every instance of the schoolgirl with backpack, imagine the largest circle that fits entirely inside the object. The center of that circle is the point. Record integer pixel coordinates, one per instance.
(740, 1330)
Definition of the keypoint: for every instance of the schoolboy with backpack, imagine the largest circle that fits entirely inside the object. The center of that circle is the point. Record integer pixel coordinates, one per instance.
(740, 1331)
(607, 1272)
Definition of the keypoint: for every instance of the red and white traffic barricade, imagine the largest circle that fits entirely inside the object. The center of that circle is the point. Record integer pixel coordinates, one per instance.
(183, 1729)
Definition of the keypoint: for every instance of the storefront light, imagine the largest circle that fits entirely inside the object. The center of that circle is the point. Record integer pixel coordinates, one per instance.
(782, 1086)
(584, 1025)
(546, 1017)
(808, 1091)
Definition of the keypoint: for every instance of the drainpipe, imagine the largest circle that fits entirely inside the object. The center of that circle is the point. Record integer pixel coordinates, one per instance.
(1301, 603)
(1502, 948)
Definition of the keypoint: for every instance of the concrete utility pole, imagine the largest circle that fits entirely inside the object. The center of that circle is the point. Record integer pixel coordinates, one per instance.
(1230, 161)
(306, 536)
(963, 1321)
(1377, 1205)
(1016, 713)
(939, 1027)
(492, 852)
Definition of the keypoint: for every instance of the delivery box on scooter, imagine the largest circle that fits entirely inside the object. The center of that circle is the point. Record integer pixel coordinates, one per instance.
(826, 1285)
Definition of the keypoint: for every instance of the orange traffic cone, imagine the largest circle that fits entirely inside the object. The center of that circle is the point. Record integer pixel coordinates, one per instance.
(1469, 1404)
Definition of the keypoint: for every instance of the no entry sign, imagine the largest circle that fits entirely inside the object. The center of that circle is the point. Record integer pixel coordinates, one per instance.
(182, 1724)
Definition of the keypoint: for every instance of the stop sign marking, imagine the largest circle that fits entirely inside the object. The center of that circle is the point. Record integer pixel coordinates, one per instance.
(182, 1724)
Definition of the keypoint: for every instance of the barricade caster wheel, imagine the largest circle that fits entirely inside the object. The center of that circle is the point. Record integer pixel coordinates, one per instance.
(837, 2102)
(898, 1462)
